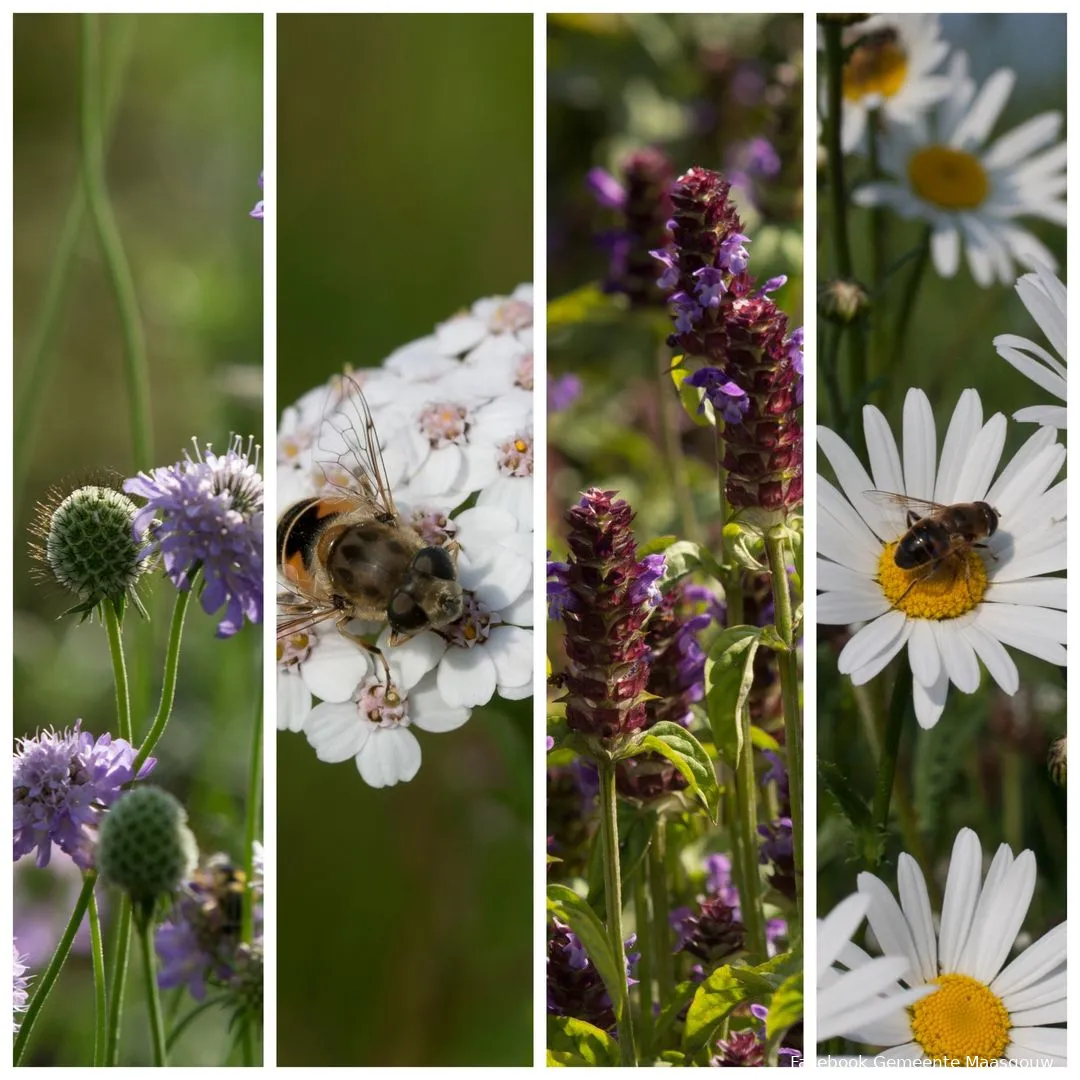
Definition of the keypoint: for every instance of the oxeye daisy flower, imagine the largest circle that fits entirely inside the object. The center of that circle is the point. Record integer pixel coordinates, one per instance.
(19, 983)
(970, 191)
(973, 604)
(1044, 296)
(890, 68)
(981, 1009)
(372, 727)
(206, 513)
(851, 986)
(64, 782)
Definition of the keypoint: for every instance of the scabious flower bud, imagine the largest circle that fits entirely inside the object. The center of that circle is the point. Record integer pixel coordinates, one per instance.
(737, 342)
(644, 203)
(604, 596)
(145, 847)
(88, 544)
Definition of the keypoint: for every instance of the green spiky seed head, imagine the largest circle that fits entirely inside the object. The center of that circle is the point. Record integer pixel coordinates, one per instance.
(145, 847)
(89, 546)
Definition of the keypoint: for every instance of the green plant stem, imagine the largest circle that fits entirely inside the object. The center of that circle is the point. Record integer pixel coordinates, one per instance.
(669, 412)
(643, 921)
(609, 836)
(97, 957)
(660, 931)
(190, 1018)
(92, 132)
(834, 86)
(168, 679)
(36, 366)
(721, 475)
(44, 984)
(153, 997)
(120, 682)
(118, 981)
(745, 823)
(251, 815)
(908, 300)
(879, 249)
(830, 369)
(899, 707)
(788, 663)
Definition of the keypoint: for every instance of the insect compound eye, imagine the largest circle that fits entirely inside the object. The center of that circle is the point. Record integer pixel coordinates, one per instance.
(404, 614)
(435, 562)
(992, 519)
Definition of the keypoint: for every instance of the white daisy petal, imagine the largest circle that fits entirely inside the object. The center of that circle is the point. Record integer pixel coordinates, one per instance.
(920, 445)
(957, 657)
(930, 699)
(1040, 1040)
(924, 654)
(887, 921)
(1033, 964)
(960, 435)
(994, 655)
(870, 641)
(962, 888)
(915, 901)
(839, 608)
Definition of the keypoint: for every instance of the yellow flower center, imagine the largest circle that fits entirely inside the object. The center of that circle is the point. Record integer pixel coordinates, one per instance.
(877, 66)
(951, 179)
(961, 1023)
(953, 588)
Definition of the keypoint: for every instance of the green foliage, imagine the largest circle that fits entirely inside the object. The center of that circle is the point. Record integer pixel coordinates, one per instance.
(675, 743)
(729, 675)
(576, 1043)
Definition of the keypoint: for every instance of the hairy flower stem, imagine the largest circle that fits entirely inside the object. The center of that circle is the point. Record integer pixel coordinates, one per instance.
(92, 132)
(118, 981)
(153, 997)
(834, 83)
(251, 825)
(609, 834)
(909, 298)
(168, 681)
(660, 931)
(643, 921)
(101, 1007)
(788, 663)
(36, 367)
(120, 682)
(721, 513)
(669, 410)
(879, 248)
(899, 708)
(748, 880)
(45, 984)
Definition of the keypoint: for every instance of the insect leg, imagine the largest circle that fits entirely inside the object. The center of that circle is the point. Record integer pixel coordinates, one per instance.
(342, 624)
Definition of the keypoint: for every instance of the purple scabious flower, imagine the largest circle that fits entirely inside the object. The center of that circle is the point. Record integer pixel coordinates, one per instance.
(63, 783)
(643, 207)
(606, 603)
(257, 212)
(739, 340)
(211, 518)
(19, 983)
(200, 945)
(563, 391)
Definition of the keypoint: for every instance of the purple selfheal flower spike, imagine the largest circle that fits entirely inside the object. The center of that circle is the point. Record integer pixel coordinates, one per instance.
(63, 783)
(670, 277)
(258, 211)
(726, 397)
(711, 286)
(771, 285)
(608, 191)
(211, 518)
(560, 598)
(733, 256)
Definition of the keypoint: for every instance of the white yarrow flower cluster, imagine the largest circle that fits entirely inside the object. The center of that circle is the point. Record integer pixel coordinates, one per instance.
(945, 989)
(454, 414)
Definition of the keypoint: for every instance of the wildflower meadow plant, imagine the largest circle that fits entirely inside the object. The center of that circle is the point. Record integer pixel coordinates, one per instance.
(442, 435)
(87, 800)
(941, 548)
(674, 711)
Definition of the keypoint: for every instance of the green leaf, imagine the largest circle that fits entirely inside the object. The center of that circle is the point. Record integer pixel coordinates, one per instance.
(581, 305)
(565, 905)
(759, 985)
(762, 740)
(675, 743)
(657, 544)
(684, 557)
(680, 995)
(575, 1042)
(690, 397)
(785, 1010)
(715, 998)
(740, 551)
(635, 831)
(729, 674)
(852, 804)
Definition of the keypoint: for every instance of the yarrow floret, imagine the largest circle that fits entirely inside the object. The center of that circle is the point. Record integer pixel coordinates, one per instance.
(64, 782)
(206, 514)
(453, 413)
(735, 340)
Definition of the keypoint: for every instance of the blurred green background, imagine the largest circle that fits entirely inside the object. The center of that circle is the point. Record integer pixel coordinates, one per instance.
(182, 166)
(984, 764)
(699, 87)
(405, 183)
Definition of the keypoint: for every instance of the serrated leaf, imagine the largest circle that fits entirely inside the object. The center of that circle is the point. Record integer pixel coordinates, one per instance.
(729, 674)
(851, 803)
(577, 1043)
(675, 743)
(785, 1009)
(654, 546)
(565, 905)
(715, 998)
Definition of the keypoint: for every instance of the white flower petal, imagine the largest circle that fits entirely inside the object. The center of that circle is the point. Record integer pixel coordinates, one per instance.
(920, 445)
(335, 667)
(962, 888)
(841, 608)
(871, 641)
(957, 657)
(429, 712)
(336, 731)
(466, 677)
(391, 756)
(930, 700)
(511, 648)
(294, 701)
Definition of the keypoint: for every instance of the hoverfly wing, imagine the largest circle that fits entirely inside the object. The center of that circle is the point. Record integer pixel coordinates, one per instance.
(349, 453)
(888, 499)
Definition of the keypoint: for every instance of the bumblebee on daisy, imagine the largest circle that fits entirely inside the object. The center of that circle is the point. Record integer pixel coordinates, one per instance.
(942, 540)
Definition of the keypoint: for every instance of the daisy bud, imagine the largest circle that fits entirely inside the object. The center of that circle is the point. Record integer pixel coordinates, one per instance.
(842, 301)
(605, 596)
(645, 207)
(736, 340)
(712, 934)
(1058, 760)
(87, 541)
(145, 847)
